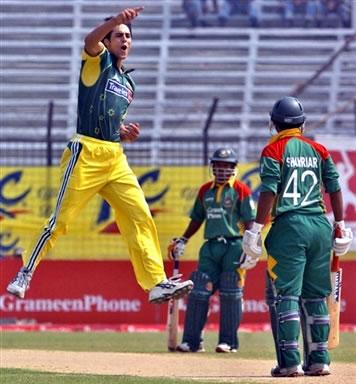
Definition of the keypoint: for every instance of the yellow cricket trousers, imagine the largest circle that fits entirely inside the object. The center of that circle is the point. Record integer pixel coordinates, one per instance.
(90, 166)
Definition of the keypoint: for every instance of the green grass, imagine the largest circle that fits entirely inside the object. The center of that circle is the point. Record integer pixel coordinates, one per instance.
(20, 376)
(257, 345)
(130, 342)
(252, 346)
(11, 376)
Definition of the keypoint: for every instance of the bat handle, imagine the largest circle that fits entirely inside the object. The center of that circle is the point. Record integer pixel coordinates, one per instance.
(176, 267)
(337, 232)
(335, 261)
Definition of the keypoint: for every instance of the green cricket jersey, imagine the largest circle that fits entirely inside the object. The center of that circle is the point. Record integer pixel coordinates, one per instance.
(103, 98)
(295, 169)
(222, 208)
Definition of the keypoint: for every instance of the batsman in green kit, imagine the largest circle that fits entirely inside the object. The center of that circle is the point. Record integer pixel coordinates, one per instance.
(293, 171)
(94, 163)
(226, 207)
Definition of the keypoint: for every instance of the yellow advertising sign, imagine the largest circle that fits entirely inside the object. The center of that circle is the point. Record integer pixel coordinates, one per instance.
(28, 196)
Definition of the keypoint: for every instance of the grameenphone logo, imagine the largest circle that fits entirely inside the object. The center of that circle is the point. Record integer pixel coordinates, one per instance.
(85, 303)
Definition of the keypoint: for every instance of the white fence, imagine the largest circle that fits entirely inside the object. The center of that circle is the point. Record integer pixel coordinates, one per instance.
(178, 73)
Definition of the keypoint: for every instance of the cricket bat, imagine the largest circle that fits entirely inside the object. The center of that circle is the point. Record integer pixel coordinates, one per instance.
(173, 317)
(334, 300)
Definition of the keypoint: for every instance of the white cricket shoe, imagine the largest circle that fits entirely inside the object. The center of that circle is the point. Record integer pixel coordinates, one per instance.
(185, 347)
(317, 369)
(225, 348)
(294, 371)
(170, 289)
(21, 283)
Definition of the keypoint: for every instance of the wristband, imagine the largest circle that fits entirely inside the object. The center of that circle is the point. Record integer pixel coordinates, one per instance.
(257, 227)
(340, 224)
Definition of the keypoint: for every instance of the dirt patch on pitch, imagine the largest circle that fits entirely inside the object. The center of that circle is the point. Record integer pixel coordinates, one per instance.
(182, 366)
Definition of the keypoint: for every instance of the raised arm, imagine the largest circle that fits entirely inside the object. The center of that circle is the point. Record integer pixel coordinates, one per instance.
(93, 45)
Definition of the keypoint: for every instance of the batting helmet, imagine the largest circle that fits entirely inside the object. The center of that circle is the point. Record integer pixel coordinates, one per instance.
(224, 155)
(223, 172)
(288, 112)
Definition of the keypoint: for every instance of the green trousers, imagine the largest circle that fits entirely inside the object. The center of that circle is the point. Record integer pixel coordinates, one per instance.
(298, 248)
(217, 256)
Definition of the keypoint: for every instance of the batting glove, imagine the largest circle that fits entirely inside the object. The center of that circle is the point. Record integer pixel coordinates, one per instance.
(247, 262)
(176, 247)
(252, 242)
(342, 238)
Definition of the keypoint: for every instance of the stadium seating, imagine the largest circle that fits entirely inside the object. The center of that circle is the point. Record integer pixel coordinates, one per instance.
(179, 72)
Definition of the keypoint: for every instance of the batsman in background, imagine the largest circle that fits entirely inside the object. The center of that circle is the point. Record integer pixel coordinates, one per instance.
(222, 204)
(293, 171)
(94, 162)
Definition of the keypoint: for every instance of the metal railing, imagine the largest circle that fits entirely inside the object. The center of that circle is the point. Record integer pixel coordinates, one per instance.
(179, 72)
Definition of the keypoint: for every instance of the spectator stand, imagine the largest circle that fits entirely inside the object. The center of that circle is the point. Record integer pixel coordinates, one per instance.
(179, 71)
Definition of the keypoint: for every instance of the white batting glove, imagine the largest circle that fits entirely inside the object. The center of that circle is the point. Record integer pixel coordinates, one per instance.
(252, 242)
(176, 247)
(247, 262)
(342, 238)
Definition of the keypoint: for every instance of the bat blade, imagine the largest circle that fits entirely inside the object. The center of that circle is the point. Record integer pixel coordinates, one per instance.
(172, 325)
(334, 301)
(173, 317)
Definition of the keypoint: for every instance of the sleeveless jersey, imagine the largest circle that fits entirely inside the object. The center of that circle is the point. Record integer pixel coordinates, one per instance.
(295, 169)
(103, 98)
(222, 208)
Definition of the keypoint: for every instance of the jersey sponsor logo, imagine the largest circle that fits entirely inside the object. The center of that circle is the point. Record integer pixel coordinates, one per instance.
(215, 213)
(302, 162)
(118, 89)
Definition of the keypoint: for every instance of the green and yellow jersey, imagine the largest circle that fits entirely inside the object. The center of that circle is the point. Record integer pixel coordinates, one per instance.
(103, 97)
(295, 169)
(223, 207)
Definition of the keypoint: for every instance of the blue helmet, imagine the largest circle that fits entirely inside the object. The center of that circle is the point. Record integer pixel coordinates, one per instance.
(224, 172)
(288, 112)
(225, 155)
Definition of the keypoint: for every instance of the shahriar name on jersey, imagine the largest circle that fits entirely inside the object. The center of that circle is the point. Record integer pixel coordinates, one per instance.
(302, 162)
